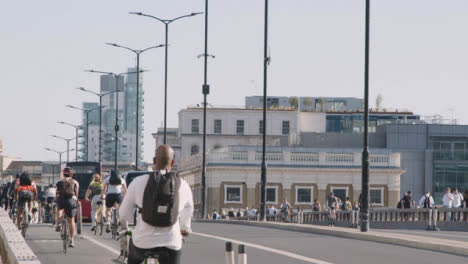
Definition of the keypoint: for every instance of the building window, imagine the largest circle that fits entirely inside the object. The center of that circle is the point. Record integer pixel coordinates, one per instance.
(240, 127)
(232, 194)
(194, 150)
(272, 194)
(260, 127)
(217, 126)
(304, 195)
(195, 126)
(340, 192)
(285, 128)
(377, 196)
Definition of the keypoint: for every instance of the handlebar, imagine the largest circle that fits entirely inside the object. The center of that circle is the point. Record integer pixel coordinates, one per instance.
(125, 232)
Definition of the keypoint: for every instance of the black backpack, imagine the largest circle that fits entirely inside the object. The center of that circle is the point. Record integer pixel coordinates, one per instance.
(161, 200)
(115, 179)
(66, 188)
(427, 202)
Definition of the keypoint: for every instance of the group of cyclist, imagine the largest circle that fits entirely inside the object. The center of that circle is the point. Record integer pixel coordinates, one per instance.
(157, 233)
(109, 191)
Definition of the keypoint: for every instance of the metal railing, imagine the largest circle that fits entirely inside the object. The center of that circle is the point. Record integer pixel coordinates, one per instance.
(428, 217)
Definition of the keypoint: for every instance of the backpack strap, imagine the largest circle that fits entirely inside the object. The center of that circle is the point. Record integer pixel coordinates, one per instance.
(154, 176)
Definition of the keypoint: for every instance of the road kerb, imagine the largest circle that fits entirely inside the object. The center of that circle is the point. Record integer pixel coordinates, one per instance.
(419, 242)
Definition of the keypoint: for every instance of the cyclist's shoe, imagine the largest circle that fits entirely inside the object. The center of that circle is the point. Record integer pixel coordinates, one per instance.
(71, 243)
(57, 228)
(93, 228)
(108, 229)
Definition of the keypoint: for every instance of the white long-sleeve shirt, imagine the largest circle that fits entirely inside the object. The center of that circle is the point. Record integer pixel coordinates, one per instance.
(447, 200)
(457, 199)
(147, 236)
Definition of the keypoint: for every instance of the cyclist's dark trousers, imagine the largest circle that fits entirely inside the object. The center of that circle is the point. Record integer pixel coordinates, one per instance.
(137, 255)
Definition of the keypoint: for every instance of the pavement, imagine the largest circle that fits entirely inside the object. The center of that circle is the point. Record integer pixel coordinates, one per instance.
(450, 235)
(264, 245)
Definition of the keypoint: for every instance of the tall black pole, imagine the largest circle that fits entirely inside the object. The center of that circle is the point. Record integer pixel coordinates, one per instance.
(365, 152)
(205, 91)
(265, 70)
(76, 143)
(60, 163)
(100, 127)
(68, 150)
(165, 84)
(87, 134)
(137, 109)
(116, 119)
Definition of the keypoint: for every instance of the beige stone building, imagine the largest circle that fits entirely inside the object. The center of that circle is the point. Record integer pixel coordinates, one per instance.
(298, 174)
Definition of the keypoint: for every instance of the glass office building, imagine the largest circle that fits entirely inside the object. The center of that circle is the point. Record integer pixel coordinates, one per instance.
(354, 122)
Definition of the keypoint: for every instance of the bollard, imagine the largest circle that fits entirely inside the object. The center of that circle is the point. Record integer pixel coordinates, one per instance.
(229, 253)
(79, 219)
(242, 256)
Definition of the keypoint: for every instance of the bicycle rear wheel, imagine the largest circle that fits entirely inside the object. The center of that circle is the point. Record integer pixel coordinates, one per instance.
(24, 224)
(114, 224)
(101, 223)
(65, 235)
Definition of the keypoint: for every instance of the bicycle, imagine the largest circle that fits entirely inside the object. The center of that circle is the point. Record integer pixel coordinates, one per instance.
(64, 233)
(25, 222)
(151, 257)
(99, 219)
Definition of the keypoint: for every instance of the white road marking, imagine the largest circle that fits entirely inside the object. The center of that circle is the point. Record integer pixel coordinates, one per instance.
(92, 240)
(43, 241)
(257, 246)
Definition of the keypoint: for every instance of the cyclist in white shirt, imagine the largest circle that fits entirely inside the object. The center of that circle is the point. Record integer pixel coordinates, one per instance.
(148, 237)
(113, 191)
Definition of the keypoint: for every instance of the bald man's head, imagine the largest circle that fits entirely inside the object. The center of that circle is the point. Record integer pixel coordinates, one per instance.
(164, 157)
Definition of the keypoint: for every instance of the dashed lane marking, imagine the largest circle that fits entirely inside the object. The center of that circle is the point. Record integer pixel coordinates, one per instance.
(272, 250)
(43, 240)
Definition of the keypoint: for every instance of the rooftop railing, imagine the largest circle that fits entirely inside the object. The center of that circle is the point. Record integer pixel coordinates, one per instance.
(391, 160)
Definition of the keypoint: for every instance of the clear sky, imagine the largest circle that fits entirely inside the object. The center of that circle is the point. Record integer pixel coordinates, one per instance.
(419, 57)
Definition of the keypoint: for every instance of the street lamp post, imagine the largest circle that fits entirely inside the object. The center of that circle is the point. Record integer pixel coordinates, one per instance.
(86, 111)
(60, 157)
(117, 77)
(77, 127)
(100, 95)
(266, 61)
(137, 52)
(205, 91)
(365, 153)
(166, 22)
(68, 144)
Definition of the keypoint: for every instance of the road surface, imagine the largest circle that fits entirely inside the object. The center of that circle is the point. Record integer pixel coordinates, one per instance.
(263, 245)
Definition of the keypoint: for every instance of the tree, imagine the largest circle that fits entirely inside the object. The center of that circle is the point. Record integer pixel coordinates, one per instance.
(378, 101)
(322, 101)
(307, 102)
(293, 101)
